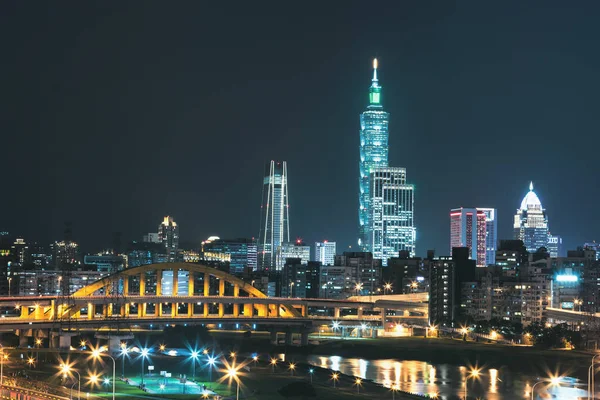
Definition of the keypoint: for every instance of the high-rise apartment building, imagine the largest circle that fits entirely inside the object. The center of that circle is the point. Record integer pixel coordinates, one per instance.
(373, 154)
(274, 222)
(531, 222)
(238, 253)
(168, 235)
(392, 223)
(469, 228)
(325, 252)
(491, 234)
(555, 246)
(291, 250)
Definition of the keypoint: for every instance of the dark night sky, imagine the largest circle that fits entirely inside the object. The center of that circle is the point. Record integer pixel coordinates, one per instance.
(113, 115)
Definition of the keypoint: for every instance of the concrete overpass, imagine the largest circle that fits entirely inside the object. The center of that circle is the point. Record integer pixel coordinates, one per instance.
(135, 297)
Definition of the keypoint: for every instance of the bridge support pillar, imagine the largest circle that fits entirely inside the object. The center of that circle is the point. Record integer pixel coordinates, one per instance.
(23, 339)
(263, 310)
(125, 286)
(64, 339)
(304, 338)
(336, 313)
(125, 310)
(109, 310)
(205, 309)
(190, 310)
(158, 310)
(289, 336)
(25, 312)
(236, 310)
(359, 313)
(91, 311)
(221, 310)
(248, 310)
(142, 283)
(304, 310)
(383, 313)
(174, 309)
(206, 284)
(221, 287)
(273, 336)
(114, 341)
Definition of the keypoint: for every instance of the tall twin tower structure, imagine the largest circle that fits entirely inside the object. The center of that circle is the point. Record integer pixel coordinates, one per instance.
(275, 219)
(386, 200)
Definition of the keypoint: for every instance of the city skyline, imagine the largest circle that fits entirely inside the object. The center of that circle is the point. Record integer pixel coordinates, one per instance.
(66, 165)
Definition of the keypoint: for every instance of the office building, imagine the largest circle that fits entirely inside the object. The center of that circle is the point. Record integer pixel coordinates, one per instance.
(491, 234)
(405, 274)
(313, 279)
(468, 228)
(151, 237)
(295, 249)
(555, 246)
(145, 253)
(274, 222)
(325, 252)
(337, 282)
(239, 254)
(65, 255)
(392, 205)
(531, 222)
(104, 262)
(293, 278)
(168, 235)
(364, 269)
(373, 154)
(593, 246)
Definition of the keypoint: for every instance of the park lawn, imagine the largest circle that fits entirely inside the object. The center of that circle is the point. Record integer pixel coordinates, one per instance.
(122, 388)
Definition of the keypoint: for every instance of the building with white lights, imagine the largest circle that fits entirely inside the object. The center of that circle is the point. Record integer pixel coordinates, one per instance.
(531, 222)
(168, 235)
(292, 250)
(468, 228)
(325, 252)
(274, 221)
(392, 217)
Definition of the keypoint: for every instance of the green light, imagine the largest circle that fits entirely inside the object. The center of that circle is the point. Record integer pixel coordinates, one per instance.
(375, 98)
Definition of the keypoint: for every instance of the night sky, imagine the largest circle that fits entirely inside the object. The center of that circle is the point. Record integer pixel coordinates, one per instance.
(113, 114)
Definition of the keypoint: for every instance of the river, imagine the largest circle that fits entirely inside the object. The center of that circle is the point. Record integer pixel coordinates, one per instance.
(447, 381)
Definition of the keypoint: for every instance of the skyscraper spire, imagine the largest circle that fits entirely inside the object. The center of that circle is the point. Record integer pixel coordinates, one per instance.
(374, 80)
(531, 186)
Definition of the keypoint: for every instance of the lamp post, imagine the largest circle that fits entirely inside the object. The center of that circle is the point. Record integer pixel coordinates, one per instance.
(273, 364)
(394, 388)
(9, 281)
(358, 382)
(592, 378)
(194, 358)
(232, 374)
(335, 377)
(66, 369)
(387, 287)
(124, 351)
(311, 371)
(143, 354)
(96, 354)
(3, 357)
(554, 381)
(358, 288)
(211, 363)
(292, 368)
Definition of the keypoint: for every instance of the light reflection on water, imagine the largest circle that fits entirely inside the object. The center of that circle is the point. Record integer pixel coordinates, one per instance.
(445, 380)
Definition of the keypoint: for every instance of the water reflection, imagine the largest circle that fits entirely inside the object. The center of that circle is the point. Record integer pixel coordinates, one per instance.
(444, 380)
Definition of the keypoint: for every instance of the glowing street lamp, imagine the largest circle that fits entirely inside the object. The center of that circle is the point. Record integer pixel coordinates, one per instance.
(194, 356)
(311, 372)
(552, 381)
(232, 374)
(358, 383)
(162, 347)
(82, 343)
(387, 287)
(211, 363)
(93, 379)
(292, 367)
(124, 351)
(394, 388)
(97, 355)
(66, 370)
(232, 355)
(335, 376)
(31, 362)
(273, 364)
(255, 358)
(358, 287)
(205, 351)
(143, 354)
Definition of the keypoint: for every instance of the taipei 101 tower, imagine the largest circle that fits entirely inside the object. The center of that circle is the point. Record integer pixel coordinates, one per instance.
(373, 154)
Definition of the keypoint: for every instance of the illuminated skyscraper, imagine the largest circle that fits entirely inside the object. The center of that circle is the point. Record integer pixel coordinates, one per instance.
(468, 228)
(392, 205)
(531, 222)
(274, 221)
(373, 154)
(491, 234)
(168, 235)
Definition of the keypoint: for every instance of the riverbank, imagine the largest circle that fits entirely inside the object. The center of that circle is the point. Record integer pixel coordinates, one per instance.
(528, 360)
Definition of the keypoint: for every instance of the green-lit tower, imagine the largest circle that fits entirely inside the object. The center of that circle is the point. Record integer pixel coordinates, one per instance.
(373, 154)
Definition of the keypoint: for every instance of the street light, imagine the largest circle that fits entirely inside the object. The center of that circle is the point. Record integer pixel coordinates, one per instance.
(394, 388)
(162, 347)
(292, 367)
(311, 371)
(273, 364)
(143, 355)
(386, 287)
(194, 358)
(335, 377)
(124, 351)
(31, 362)
(97, 355)
(211, 363)
(552, 381)
(592, 378)
(358, 288)
(3, 357)
(232, 355)
(358, 383)
(66, 369)
(232, 374)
